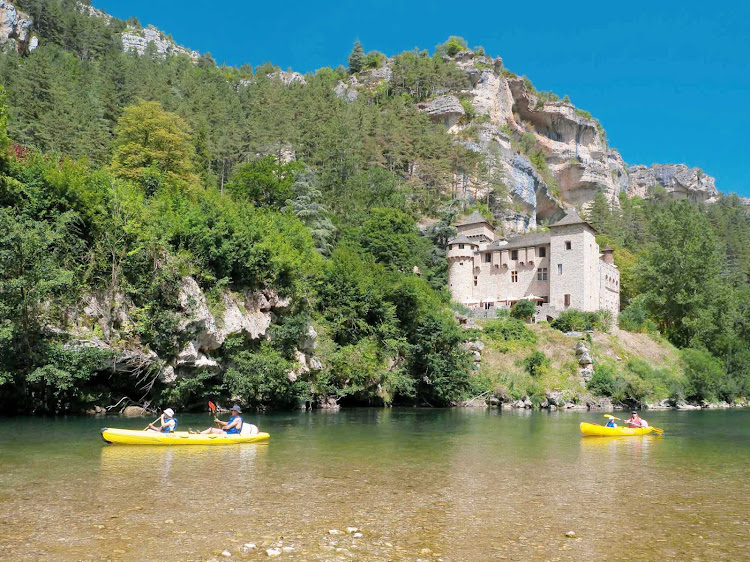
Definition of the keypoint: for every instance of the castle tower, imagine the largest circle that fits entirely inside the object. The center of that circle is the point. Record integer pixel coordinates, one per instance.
(608, 255)
(460, 254)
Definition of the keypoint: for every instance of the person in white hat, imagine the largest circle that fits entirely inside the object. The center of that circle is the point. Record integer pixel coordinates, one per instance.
(168, 422)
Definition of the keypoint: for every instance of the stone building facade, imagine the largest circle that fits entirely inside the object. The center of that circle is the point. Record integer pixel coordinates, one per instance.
(560, 269)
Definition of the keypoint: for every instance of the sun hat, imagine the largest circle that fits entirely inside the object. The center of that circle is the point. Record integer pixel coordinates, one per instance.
(237, 409)
(169, 412)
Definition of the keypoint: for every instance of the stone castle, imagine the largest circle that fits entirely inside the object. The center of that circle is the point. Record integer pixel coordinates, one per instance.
(560, 269)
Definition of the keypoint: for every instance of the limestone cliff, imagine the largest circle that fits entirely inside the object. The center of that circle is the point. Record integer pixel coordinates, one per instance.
(15, 29)
(579, 161)
(104, 321)
(680, 181)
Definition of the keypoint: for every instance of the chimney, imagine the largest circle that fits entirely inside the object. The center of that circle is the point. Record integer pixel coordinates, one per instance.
(607, 255)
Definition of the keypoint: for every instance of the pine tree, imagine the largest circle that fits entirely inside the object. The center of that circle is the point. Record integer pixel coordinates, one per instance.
(356, 59)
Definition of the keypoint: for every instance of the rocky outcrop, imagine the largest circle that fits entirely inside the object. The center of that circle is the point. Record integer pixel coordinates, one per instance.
(15, 29)
(104, 322)
(445, 109)
(680, 182)
(288, 78)
(135, 39)
(579, 160)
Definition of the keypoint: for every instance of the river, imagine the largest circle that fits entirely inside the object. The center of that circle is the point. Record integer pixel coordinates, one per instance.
(416, 483)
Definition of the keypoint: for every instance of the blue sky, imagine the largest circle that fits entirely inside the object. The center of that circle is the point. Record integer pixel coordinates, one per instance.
(670, 81)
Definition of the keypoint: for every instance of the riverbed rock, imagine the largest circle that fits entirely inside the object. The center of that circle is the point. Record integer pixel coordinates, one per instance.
(133, 411)
(681, 405)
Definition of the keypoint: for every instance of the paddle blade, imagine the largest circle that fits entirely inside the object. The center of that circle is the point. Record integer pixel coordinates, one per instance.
(212, 407)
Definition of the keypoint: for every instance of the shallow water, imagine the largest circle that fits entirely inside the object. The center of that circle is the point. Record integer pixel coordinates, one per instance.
(418, 484)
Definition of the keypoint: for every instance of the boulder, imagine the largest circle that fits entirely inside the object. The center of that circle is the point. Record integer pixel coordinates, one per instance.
(133, 411)
(585, 359)
(308, 342)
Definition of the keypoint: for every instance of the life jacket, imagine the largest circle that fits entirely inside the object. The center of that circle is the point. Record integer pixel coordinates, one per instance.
(235, 430)
(169, 427)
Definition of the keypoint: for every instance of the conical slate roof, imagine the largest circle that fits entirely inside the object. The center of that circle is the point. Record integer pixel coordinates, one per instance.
(462, 239)
(475, 218)
(571, 218)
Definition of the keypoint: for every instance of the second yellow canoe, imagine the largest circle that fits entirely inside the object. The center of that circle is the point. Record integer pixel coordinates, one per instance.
(603, 431)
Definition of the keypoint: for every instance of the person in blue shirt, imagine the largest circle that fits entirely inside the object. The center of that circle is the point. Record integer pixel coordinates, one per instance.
(611, 422)
(168, 422)
(232, 427)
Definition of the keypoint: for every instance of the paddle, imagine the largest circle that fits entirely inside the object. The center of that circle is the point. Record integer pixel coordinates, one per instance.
(152, 423)
(654, 429)
(212, 407)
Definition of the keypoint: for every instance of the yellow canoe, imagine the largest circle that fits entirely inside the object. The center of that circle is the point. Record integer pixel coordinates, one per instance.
(603, 431)
(135, 437)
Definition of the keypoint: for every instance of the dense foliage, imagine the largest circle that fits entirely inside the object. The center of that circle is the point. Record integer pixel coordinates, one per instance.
(685, 271)
(121, 176)
(127, 175)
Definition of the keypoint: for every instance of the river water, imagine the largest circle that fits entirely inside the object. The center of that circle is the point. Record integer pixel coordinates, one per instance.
(417, 484)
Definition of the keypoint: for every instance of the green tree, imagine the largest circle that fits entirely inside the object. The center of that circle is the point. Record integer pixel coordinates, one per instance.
(356, 60)
(680, 274)
(153, 144)
(453, 45)
(266, 182)
(523, 309)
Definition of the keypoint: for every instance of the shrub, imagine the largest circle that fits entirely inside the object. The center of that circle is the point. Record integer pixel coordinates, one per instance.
(453, 45)
(523, 309)
(602, 382)
(536, 363)
(706, 378)
(509, 329)
(576, 321)
(570, 321)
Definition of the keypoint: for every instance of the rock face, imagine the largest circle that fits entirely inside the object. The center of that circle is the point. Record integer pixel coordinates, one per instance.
(680, 182)
(15, 29)
(580, 162)
(138, 39)
(103, 322)
(446, 109)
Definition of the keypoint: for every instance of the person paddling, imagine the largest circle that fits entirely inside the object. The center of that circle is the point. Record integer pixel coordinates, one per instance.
(168, 422)
(232, 427)
(636, 421)
(611, 422)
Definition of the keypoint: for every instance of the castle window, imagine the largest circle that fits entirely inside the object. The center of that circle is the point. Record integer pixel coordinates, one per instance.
(488, 257)
(460, 246)
(559, 269)
(514, 254)
(475, 280)
(568, 245)
(542, 252)
(567, 300)
(514, 276)
(541, 274)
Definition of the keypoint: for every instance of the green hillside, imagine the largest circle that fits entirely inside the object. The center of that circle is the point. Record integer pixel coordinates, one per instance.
(124, 178)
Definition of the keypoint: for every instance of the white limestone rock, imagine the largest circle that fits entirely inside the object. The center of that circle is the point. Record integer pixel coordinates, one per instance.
(680, 182)
(137, 40)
